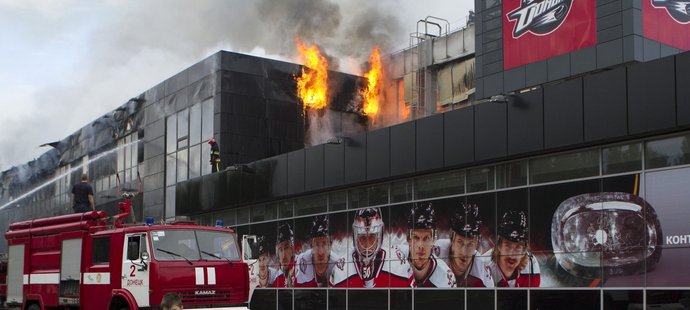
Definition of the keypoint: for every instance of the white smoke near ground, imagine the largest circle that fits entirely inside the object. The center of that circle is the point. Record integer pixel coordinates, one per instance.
(73, 61)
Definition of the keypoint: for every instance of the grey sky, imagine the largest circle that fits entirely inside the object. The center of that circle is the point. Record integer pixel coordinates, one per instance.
(67, 62)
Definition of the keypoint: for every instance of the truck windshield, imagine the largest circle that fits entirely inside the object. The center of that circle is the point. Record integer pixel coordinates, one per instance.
(191, 245)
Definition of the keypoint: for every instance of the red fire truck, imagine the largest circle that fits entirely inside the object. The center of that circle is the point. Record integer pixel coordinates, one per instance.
(91, 261)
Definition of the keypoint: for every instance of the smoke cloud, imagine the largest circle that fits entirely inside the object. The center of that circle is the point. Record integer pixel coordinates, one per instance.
(73, 61)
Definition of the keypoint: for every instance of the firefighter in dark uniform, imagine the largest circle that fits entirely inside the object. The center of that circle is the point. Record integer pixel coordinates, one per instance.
(215, 155)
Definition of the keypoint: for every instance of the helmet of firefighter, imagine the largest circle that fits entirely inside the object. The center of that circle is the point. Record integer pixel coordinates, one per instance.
(212, 141)
(513, 226)
(319, 226)
(263, 245)
(422, 216)
(285, 233)
(368, 221)
(466, 221)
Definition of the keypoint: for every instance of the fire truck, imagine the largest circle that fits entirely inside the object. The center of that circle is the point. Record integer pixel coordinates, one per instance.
(92, 261)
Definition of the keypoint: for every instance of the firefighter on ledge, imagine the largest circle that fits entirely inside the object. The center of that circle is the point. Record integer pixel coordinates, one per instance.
(215, 155)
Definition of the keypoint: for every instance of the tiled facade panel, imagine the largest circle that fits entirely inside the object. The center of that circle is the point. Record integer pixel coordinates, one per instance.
(525, 122)
(429, 137)
(402, 148)
(563, 114)
(605, 106)
(314, 168)
(683, 89)
(355, 158)
(490, 134)
(295, 171)
(334, 164)
(378, 154)
(458, 137)
(651, 96)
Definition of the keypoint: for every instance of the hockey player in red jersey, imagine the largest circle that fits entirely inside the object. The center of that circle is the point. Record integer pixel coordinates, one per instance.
(427, 269)
(314, 266)
(285, 250)
(369, 265)
(460, 251)
(512, 264)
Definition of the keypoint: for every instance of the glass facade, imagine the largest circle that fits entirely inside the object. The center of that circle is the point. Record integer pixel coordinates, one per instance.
(187, 132)
(588, 226)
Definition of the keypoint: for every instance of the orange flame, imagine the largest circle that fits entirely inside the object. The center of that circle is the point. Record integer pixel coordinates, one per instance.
(372, 92)
(312, 85)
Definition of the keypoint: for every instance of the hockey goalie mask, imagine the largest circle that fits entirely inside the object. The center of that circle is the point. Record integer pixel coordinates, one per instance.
(367, 231)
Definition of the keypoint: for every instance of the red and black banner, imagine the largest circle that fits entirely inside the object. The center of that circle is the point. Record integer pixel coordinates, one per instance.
(535, 30)
(667, 21)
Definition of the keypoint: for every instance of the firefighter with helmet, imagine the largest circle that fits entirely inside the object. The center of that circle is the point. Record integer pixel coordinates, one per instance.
(427, 269)
(286, 254)
(460, 251)
(315, 265)
(215, 155)
(368, 264)
(512, 264)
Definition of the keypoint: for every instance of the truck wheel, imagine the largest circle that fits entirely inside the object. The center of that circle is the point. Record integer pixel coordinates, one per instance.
(34, 307)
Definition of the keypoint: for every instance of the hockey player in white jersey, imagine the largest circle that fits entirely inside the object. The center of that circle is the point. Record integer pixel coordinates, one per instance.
(266, 275)
(512, 263)
(368, 264)
(427, 269)
(315, 265)
(461, 250)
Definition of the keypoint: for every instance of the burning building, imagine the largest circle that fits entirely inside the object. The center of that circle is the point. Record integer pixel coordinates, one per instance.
(560, 150)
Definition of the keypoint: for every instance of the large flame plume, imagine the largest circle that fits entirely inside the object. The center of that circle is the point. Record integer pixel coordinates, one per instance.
(372, 93)
(312, 85)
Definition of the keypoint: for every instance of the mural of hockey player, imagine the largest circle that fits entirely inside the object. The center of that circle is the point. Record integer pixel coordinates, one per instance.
(315, 265)
(267, 275)
(427, 269)
(370, 265)
(512, 264)
(285, 249)
(462, 248)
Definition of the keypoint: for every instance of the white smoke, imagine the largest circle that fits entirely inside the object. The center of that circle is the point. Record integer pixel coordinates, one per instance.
(73, 61)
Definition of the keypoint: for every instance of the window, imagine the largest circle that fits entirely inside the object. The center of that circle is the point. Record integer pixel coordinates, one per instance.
(311, 205)
(195, 161)
(337, 201)
(175, 245)
(183, 128)
(511, 174)
(195, 124)
(564, 166)
(621, 158)
(171, 134)
(215, 245)
(207, 119)
(182, 165)
(368, 196)
(133, 247)
(667, 152)
(243, 216)
(401, 191)
(480, 179)
(263, 212)
(285, 209)
(440, 185)
(101, 251)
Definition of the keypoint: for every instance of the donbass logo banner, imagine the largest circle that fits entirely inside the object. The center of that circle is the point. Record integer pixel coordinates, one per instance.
(535, 30)
(667, 21)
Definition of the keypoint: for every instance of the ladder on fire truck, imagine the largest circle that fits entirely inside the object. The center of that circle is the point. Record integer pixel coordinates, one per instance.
(422, 55)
